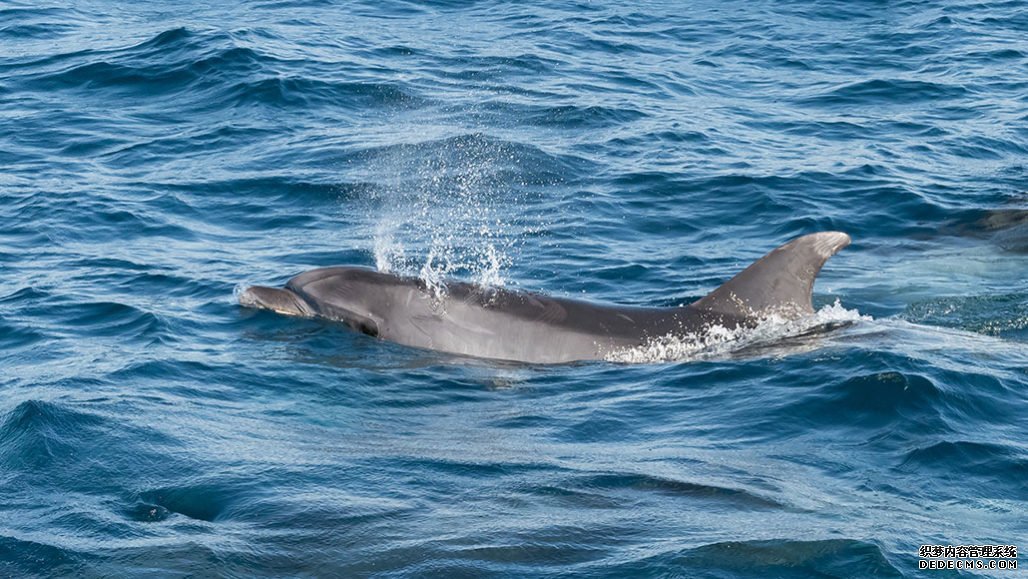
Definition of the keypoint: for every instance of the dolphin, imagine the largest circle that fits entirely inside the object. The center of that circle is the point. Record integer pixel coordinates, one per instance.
(520, 326)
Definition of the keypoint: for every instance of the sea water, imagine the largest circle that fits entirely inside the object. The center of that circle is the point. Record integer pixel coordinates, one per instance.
(155, 156)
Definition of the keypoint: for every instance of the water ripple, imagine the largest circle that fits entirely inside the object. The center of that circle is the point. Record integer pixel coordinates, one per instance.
(154, 160)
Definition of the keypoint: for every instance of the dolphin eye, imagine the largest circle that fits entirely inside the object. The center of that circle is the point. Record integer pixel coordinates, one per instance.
(368, 328)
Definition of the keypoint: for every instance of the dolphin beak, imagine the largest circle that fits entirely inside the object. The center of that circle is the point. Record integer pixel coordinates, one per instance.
(281, 301)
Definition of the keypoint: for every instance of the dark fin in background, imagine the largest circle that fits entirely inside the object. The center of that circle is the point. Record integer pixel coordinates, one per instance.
(1010, 227)
(781, 282)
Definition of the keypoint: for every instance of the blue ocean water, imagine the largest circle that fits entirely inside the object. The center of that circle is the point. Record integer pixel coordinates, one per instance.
(155, 157)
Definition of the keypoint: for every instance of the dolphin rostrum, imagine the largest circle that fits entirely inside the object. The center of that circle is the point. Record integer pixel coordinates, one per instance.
(496, 323)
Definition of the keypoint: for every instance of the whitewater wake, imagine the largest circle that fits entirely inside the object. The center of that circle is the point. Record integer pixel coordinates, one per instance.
(720, 341)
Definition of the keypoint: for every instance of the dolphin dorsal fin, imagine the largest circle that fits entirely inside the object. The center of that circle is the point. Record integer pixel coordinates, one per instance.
(780, 282)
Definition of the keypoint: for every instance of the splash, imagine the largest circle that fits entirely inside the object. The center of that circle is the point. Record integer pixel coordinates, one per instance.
(719, 341)
(445, 208)
(388, 252)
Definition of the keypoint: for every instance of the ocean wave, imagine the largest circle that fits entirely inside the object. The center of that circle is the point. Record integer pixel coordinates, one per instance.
(779, 557)
(109, 319)
(36, 434)
(964, 464)
(308, 92)
(35, 554)
(701, 492)
(1003, 315)
(210, 70)
(566, 115)
(16, 336)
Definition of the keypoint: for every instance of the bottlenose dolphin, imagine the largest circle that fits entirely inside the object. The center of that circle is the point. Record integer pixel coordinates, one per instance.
(496, 323)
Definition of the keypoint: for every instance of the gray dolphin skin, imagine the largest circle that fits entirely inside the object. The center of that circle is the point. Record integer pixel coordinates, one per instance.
(501, 324)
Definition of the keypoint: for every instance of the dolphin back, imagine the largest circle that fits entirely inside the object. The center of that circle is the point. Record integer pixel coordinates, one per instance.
(779, 283)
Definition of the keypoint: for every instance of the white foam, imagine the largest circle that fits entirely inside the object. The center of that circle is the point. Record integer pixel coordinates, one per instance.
(719, 341)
